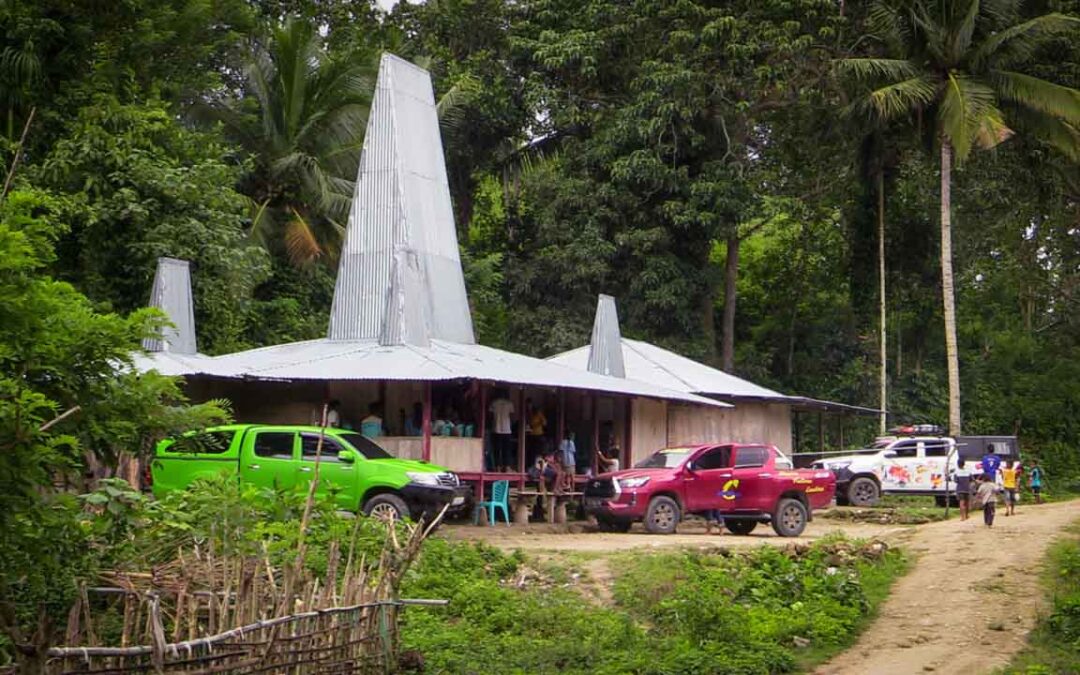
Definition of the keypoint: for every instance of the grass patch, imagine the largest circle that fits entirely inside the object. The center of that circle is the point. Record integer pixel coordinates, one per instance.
(760, 611)
(1054, 644)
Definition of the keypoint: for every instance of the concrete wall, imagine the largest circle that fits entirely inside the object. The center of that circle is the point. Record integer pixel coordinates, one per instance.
(745, 423)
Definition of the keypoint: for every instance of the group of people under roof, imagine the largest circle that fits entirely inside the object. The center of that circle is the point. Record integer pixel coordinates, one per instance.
(553, 463)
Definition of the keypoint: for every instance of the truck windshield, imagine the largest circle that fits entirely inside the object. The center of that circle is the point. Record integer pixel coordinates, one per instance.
(365, 446)
(668, 458)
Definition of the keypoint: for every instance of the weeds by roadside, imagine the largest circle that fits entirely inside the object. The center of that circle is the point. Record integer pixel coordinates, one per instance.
(1054, 644)
(762, 611)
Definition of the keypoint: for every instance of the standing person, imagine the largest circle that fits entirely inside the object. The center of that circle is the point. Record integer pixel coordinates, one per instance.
(502, 409)
(961, 475)
(536, 421)
(414, 425)
(1009, 483)
(568, 450)
(1036, 480)
(714, 519)
(986, 497)
(990, 463)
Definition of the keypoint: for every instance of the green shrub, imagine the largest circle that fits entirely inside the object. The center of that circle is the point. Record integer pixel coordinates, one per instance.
(674, 612)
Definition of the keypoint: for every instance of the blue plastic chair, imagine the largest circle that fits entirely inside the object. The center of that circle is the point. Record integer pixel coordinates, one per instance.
(500, 499)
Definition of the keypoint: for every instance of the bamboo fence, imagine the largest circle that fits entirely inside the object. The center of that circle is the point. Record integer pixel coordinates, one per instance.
(208, 613)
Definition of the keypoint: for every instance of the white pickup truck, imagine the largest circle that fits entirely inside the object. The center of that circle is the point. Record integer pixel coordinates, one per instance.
(910, 465)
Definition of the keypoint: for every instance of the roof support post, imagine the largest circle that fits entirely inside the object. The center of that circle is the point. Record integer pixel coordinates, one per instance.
(629, 426)
(561, 432)
(821, 432)
(427, 422)
(521, 436)
(482, 426)
(595, 434)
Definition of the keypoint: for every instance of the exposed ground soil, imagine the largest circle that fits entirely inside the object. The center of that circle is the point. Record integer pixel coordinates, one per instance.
(969, 601)
(580, 538)
(965, 606)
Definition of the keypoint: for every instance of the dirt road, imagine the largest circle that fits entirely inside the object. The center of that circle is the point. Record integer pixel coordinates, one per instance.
(969, 601)
(575, 539)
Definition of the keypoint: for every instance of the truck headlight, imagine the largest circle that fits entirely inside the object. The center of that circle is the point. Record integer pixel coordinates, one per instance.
(423, 477)
(634, 482)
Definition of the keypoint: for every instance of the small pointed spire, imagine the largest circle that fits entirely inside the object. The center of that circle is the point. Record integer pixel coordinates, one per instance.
(407, 319)
(605, 348)
(401, 199)
(171, 294)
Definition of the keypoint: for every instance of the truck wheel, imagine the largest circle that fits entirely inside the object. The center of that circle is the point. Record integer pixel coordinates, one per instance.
(790, 518)
(662, 516)
(863, 492)
(740, 526)
(386, 506)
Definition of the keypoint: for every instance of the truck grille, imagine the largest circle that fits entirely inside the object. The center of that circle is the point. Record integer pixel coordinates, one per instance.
(600, 487)
(449, 479)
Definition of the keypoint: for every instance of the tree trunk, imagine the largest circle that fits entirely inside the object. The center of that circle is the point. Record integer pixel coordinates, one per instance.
(884, 376)
(731, 275)
(952, 359)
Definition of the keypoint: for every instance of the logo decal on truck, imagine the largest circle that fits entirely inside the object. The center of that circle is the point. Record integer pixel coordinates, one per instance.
(731, 489)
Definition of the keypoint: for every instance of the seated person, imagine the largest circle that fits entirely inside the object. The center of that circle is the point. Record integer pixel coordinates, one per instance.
(371, 426)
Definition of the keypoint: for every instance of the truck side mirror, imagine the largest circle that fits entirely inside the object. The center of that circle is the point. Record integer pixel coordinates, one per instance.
(347, 456)
(889, 454)
(691, 467)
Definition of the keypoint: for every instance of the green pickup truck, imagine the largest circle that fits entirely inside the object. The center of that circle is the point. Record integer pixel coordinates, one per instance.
(361, 476)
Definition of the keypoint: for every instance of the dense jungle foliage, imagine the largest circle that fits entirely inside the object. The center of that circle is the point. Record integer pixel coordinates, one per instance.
(592, 147)
(711, 164)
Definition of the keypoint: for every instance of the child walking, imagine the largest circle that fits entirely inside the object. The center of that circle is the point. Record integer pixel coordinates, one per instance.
(986, 496)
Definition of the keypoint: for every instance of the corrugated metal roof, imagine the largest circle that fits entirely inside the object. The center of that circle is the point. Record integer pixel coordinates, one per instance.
(171, 293)
(605, 348)
(649, 363)
(344, 360)
(401, 200)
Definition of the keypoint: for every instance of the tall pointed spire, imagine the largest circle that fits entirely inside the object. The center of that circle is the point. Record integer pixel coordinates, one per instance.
(407, 319)
(171, 294)
(605, 348)
(401, 201)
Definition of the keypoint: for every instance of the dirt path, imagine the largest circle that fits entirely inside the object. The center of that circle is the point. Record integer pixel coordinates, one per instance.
(542, 537)
(968, 603)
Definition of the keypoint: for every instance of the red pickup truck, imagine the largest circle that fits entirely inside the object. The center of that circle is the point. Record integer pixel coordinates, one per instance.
(747, 483)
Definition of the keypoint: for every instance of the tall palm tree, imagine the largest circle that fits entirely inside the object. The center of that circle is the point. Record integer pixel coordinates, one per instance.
(958, 68)
(301, 116)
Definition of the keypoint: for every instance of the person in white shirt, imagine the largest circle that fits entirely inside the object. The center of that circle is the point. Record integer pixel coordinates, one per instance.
(502, 409)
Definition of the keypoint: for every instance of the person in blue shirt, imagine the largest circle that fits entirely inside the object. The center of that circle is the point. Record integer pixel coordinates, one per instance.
(1036, 478)
(371, 426)
(990, 463)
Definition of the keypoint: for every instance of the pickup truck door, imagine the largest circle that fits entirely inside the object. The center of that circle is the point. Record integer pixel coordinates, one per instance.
(708, 482)
(336, 477)
(898, 470)
(930, 475)
(268, 459)
(756, 480)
